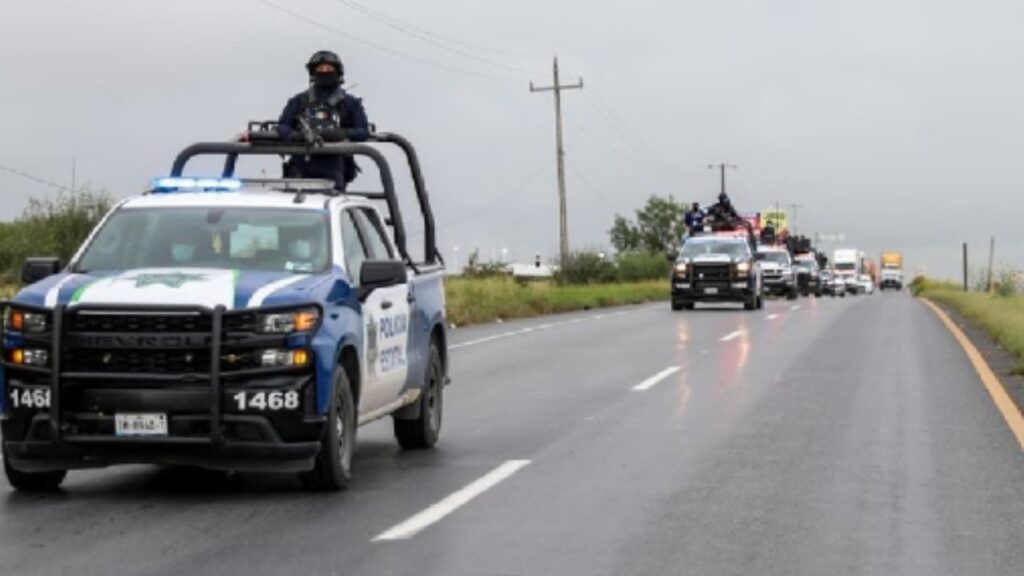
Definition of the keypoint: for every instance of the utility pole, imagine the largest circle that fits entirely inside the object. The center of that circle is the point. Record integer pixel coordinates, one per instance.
(966, 287)
(563, 219)
(991, 260)
(722, 166)
(794, 207)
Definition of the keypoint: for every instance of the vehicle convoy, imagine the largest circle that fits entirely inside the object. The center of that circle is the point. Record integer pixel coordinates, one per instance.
(892, 271)
(717, 262)
(778, 272)
(231, 324)
(848, 267)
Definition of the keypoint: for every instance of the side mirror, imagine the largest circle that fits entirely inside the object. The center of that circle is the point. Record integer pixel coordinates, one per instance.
(35, 269)
(381, 274)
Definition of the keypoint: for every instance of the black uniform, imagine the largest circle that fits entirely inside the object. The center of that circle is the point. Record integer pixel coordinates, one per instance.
(326, 112)
(334, 116)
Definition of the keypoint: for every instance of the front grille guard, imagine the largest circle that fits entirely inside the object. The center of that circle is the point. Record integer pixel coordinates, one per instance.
(57, 337)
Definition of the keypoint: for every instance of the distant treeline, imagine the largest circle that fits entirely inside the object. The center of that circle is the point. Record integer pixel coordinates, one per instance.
(50, 227)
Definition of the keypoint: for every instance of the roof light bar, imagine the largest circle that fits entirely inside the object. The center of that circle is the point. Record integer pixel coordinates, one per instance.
(165, 185)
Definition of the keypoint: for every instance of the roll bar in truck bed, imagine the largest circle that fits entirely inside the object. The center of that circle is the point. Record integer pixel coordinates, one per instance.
(264, 142)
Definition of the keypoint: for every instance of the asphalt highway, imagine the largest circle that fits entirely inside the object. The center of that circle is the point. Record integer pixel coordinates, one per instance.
(832, 436)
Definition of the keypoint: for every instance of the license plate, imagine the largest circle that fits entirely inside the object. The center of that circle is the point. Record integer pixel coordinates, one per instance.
(140, 424)
(711, 290)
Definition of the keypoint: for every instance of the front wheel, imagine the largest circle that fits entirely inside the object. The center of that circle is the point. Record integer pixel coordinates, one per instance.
(333, 466)
(33, 481)
(424, 430)
(677, 306)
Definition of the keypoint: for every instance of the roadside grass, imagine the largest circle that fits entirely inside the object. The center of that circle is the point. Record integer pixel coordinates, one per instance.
(480, 300)
(8, 290)
(1001, 317)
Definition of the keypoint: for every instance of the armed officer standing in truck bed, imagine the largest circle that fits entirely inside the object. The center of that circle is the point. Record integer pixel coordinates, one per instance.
(324, 112)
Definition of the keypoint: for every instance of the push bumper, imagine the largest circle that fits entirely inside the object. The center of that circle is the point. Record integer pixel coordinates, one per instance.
(686, 293)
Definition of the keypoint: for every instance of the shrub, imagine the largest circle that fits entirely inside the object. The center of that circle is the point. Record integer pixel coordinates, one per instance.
(50, 227)
(637, 266)
(586, 267)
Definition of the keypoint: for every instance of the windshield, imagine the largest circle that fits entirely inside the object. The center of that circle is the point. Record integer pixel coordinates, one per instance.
(733, 249)
(229, 238)
(845, 266)
(776, 257)
(806, 264)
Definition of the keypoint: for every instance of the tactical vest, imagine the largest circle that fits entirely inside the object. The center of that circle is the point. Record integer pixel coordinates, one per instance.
(324, 114)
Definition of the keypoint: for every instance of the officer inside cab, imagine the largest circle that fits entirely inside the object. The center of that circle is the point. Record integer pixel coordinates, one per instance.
(324, 112)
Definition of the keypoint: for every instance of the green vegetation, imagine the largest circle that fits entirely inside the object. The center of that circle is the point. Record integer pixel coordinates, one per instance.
(1000, 314)
(49, 227)
(657, 228)
(478, 300)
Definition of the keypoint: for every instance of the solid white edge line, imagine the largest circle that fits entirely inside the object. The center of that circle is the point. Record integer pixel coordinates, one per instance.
(731, 336)
(436, 512)
(653, 380)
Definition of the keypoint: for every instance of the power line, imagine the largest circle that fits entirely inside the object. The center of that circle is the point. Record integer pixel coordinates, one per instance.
(630, 153)
(35, 179)
(381, 47)
(589, 186)
(396, 22)
(530, 179)
(426, 37)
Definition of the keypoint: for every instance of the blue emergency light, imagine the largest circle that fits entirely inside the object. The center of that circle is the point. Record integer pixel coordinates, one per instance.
(177, 184)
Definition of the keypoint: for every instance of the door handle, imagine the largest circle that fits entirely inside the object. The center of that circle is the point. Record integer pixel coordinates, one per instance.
(386, 304)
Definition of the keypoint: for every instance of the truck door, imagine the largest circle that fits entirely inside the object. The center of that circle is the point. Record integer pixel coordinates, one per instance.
(385, 313)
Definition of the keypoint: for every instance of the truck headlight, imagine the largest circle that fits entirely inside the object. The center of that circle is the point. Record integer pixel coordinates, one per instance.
(22, 357)
(680, 269)
(743, 268)
(282, 358)
(303, 320)
(27, 322)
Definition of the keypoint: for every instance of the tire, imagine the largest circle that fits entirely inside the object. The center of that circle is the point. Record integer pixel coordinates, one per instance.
(677, 306)
(333, 466)
(792, 294)
(690, 306)
(33, 481)
(760, 302)
(750, 303)
(424, 431)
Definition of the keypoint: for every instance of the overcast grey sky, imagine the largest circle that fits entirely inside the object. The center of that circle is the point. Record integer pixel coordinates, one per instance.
(898, 122)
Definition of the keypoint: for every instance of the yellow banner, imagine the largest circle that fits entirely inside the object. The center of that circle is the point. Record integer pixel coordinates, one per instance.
(777, 218)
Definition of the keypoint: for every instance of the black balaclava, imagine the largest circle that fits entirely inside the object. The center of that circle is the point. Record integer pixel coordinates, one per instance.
(327, 80)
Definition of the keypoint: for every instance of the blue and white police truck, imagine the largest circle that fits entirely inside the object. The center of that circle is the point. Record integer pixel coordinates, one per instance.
(230, 324)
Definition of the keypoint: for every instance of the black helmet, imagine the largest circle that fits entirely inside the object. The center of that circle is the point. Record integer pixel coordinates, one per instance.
(325, 57)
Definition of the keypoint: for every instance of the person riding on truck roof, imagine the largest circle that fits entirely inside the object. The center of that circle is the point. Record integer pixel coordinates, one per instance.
(324, 112)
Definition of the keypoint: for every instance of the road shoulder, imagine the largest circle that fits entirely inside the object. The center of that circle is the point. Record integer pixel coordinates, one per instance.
(999, 361)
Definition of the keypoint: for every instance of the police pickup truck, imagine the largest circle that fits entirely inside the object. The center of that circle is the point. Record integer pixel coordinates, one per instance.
(716, 268)
(231, 324)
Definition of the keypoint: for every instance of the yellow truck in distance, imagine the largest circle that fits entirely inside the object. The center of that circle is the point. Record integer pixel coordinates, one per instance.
(892, 271)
